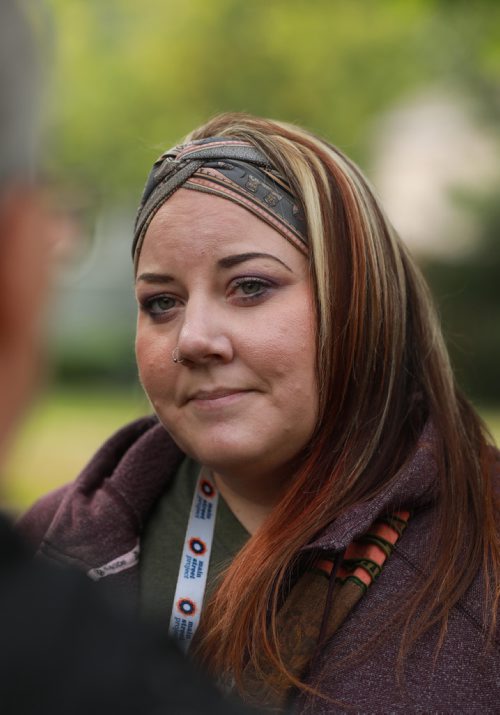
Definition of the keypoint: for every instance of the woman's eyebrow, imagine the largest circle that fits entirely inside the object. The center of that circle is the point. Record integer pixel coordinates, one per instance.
(230, 261)
(154, 278)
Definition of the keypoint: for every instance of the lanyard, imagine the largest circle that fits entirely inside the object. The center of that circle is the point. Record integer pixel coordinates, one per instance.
(192, 578)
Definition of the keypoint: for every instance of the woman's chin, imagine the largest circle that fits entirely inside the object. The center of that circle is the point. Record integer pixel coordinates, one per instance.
(224, 456)
(223, 459)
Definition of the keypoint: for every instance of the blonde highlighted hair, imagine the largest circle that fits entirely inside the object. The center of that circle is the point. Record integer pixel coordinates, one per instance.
(383, 372)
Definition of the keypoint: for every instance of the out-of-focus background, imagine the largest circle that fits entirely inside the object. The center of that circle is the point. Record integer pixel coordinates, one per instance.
(409, 88)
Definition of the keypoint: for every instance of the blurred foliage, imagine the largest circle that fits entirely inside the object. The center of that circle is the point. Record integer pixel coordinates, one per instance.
(468, 294)
(132, 78)
(63, 431)
(99, 359)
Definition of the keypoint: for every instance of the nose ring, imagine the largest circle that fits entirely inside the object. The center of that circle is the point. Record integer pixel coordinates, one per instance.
(176, 356)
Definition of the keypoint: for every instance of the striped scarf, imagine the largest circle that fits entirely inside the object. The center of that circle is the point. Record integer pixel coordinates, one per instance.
(317, 606)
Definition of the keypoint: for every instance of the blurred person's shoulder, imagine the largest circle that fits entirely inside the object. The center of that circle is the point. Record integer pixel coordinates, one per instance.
(66, 649)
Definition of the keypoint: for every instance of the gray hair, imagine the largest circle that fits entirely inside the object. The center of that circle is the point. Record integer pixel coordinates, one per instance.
(19, 82)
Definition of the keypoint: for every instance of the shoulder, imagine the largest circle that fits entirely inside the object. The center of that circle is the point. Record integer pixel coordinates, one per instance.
(416, 547)
(34, 523)
(414, 556)
(363, 657)
(79, 653)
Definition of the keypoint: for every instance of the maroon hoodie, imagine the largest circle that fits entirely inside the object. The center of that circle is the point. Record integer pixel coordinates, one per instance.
(95, 524)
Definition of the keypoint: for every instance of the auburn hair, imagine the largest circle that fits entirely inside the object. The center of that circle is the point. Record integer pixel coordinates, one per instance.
(383, 371)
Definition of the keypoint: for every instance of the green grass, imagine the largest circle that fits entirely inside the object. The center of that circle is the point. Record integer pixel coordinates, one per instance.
(62, 432)
(65, 429)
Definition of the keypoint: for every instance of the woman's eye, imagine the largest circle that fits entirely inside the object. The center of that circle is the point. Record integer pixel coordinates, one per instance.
(250, 287)
(160, 304)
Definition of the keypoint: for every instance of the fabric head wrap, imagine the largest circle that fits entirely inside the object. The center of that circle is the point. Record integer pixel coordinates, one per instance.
(231, 168)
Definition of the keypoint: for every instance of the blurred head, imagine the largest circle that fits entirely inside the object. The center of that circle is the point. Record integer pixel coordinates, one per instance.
(25, 228)
(19, 80)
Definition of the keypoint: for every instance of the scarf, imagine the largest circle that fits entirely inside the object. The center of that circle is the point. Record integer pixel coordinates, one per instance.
(316, 607)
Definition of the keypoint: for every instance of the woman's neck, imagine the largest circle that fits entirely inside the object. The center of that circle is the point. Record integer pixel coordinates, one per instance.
(250, 500)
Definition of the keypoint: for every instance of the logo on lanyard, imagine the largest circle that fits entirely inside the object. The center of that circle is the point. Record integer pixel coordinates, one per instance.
(186, 607)
(207, 488)
(197, 546)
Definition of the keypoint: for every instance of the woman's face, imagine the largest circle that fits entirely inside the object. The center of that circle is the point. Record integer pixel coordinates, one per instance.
(235, 298)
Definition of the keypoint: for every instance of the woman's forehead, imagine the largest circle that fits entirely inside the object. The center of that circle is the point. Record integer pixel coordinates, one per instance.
(187, 208)
(194, 221)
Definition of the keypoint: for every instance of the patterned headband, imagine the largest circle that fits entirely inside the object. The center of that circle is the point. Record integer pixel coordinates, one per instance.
(231, 168)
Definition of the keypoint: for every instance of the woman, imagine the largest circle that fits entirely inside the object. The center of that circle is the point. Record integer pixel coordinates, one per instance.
(305, 405)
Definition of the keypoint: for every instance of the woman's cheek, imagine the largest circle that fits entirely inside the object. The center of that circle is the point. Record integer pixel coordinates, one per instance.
(149, 349)
(148, 364)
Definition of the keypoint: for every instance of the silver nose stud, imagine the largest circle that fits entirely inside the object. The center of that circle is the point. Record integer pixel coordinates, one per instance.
(176, 356)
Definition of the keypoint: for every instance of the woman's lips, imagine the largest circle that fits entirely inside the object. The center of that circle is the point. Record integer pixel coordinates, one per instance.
(218, 398)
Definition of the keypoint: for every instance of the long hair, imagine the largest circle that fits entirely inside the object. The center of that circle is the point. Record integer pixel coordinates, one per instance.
(383, 371)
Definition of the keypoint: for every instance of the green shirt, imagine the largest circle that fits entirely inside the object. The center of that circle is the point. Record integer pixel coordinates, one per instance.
(163, 540)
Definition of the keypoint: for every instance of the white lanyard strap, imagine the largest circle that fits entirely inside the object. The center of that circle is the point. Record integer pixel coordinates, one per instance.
(192, 578)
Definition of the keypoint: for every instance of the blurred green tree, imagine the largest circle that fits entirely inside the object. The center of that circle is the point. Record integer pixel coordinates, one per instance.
(133, 77)
(468, 295)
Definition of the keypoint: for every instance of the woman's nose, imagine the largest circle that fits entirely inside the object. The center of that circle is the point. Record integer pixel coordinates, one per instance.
(204, 335)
